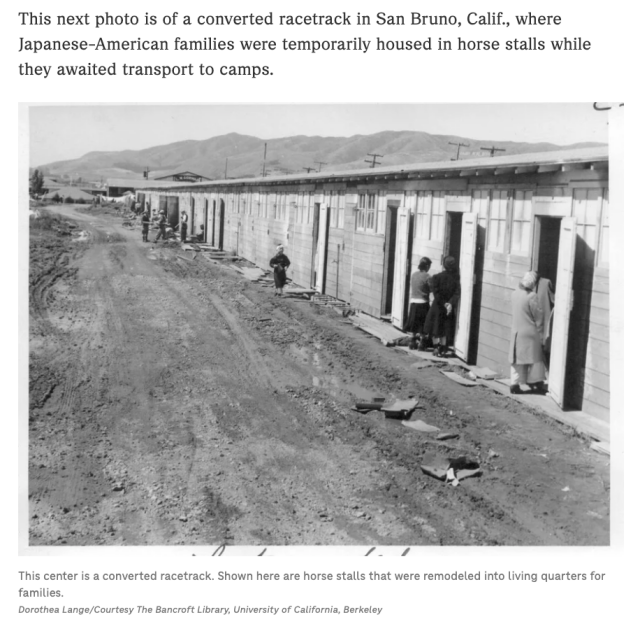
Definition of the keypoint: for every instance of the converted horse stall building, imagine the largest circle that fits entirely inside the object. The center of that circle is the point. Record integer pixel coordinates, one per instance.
(358, 235)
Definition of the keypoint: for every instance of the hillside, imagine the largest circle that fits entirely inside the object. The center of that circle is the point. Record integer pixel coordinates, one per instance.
(284, 155)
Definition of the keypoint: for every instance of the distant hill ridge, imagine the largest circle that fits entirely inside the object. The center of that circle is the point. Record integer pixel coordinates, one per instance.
(284, 155)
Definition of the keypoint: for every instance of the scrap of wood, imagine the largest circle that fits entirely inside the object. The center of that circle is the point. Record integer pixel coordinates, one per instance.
(448, 435)
(468, 473)
(483, 372)
(436, 473)
(459, 379)
(400, 408)
(420, 425)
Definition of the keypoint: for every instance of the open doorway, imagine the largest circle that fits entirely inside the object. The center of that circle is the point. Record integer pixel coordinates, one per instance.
(557, 322)
(547, 247)
(388, 268)
(206, 220)
(221, 226)
(454, 235)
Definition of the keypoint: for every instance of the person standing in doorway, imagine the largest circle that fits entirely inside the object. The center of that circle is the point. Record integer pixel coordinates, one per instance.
(440, 323)
(280, 263)
(146, 221)
(527, 336)
(418, 303)
(184, 221)
(546, 298)
(162, 224)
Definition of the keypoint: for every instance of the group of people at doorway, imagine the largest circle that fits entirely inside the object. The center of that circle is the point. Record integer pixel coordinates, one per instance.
(162, 225)
(432, 319)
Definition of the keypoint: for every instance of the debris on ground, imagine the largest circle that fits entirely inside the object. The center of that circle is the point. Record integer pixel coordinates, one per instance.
(451, 470)
(459, 379)
(483, 372)
(448, 435)
(400, 408)
(365, 407)
(420, 425)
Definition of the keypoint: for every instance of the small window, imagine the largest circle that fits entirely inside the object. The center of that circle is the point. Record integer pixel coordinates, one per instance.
(423, 210)
(521, 230)
(436, 232)
(367, 204)
(498, 220)
(331, 199)
(480, 206)
(341, 206)
(382, 216)
(586, 206)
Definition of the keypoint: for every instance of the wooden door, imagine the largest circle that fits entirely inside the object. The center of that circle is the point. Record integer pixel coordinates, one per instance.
(388, 267)
(467, 272)
(221, 225)
(173, 205)
(402, 268)
(314, 245)
(321, 254)
(562, 310)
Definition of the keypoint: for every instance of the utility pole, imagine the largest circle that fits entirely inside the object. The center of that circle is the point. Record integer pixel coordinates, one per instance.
(459, 146)
(319, 163)
(226, 164)
(264, 162)
(492, 149)
(308, 169)
(373, 162)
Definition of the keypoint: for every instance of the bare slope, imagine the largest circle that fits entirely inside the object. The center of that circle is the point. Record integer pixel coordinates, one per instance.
(285, 155)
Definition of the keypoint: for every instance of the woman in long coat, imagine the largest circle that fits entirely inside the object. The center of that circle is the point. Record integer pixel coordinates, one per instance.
(526, 354)
(441, 319)
(418, 303)
(280, 263)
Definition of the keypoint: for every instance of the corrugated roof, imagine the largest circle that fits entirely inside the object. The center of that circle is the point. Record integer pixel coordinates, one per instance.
(558, 157)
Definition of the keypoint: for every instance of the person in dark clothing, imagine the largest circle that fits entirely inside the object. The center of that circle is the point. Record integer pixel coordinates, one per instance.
(146, 220)
(418, 303)
(440, 323)
(280, 263)
(184, 220)
(162, 224)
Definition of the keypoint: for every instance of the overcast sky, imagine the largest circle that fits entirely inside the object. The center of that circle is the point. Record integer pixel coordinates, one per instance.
(64, 132)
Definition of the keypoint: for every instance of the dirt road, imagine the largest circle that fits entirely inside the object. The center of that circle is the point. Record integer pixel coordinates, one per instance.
(174, 402)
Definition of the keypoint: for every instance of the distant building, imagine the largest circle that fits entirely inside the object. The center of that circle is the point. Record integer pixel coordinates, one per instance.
(184, 176)
(117, 187)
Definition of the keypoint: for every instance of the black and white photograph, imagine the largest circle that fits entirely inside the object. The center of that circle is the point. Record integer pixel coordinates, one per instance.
(297, 325)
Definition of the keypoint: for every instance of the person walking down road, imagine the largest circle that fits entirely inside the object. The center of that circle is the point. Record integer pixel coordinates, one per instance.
(162, 224)
(440, 323)
(146, 221)
(184, 220)
(418, 304)
(280, 263)
(527, 336)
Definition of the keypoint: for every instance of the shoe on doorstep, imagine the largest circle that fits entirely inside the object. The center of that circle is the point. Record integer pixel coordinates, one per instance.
(538, 388)
(515, 389)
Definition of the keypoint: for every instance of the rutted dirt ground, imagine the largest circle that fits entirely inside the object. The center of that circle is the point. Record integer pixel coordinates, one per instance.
(174, 402)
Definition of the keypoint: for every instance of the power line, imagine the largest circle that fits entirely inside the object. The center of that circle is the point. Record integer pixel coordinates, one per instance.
(493, 149)
(459, 146)
(373, 162)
